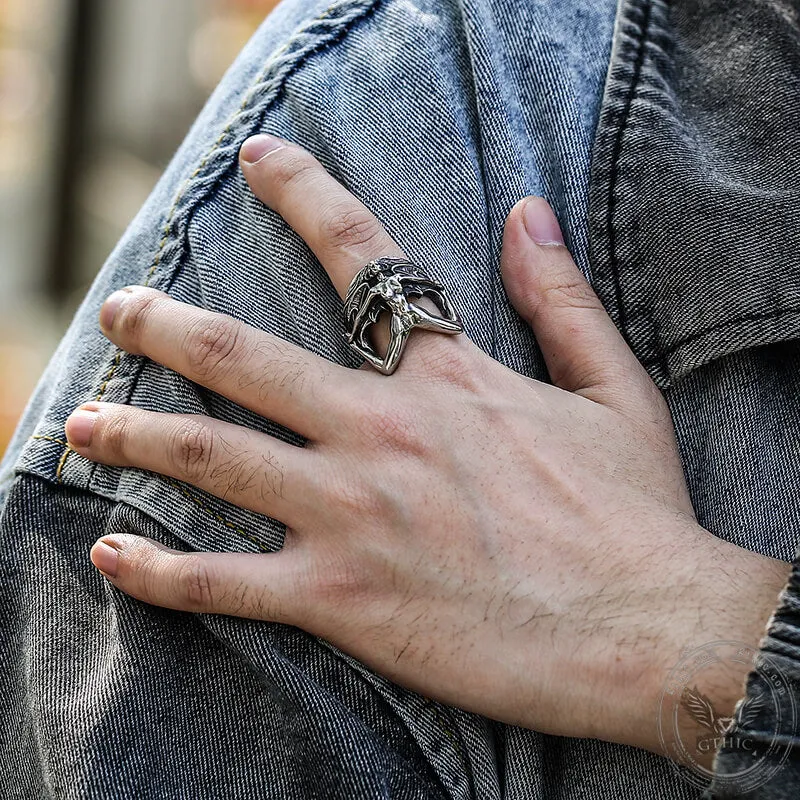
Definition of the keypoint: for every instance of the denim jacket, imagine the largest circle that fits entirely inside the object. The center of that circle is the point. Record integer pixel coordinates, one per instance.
(695, 235)
(667, 185)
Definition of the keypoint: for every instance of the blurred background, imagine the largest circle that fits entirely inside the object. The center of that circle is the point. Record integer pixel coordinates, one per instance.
(95, 96)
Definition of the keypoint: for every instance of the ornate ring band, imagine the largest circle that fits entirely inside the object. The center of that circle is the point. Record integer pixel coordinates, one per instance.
(392, 284)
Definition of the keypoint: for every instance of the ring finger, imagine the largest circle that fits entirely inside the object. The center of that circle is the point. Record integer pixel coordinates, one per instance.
(247, 468)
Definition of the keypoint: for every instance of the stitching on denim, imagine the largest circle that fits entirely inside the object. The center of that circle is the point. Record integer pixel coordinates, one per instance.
(661, 355)
(183, 490)
(180, 195)
(51, 439)
(433, 706)
(727, 323)
(61, 462)
(440, 713)
(109, 375)
(282, 69)
(218, 517)
(615, 158)
(63, 459)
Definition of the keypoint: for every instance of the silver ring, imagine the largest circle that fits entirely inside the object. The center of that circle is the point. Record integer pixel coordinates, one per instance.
(390, 284)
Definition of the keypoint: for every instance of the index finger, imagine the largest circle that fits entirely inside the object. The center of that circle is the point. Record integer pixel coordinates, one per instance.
(340, 230)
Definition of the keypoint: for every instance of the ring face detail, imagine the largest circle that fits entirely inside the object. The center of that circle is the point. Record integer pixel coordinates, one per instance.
(391, 284)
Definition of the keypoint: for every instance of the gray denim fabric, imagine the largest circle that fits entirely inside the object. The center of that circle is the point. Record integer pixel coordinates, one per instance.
(695, 234)
(779, 656)
(489, 101)
(696, 180)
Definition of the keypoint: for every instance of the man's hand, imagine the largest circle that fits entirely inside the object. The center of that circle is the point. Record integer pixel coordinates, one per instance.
(522, 550)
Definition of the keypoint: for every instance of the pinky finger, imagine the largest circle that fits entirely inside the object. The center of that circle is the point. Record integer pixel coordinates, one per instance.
(267, 586)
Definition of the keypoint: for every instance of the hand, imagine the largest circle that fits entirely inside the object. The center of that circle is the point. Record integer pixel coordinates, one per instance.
(522, 550)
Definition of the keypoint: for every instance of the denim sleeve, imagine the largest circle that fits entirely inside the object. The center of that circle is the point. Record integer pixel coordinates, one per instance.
(80, 364)
(73, 374)
(766, 727)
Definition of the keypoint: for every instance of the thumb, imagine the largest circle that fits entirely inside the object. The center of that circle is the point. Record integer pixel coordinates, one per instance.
(259, 586)
(583, 350)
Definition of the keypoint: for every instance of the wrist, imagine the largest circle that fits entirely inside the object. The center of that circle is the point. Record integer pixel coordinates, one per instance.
(708, 651)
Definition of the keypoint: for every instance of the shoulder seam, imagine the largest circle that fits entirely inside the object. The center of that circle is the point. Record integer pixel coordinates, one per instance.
(311, 38)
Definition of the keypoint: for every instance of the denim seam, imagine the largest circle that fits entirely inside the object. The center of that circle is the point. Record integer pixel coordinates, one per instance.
(656, 354)
(722, 326)
(445, 726)
(440, 715)
(53, 439)
(218, 517)
(615, 166)
(63, 458)
(277, 69)
(183, 490)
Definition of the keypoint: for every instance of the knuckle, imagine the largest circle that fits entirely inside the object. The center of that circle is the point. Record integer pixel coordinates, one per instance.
(441, 360)
(570, 291)
(194, 582)
(352, 497)
(191, 448)
(213, 346)
(398, 432)
(351, 227)
(390, 428)
(113, 433)
(336, 581)
(134, 314)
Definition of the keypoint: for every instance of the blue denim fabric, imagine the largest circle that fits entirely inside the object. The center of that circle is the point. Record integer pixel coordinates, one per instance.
(439, 116)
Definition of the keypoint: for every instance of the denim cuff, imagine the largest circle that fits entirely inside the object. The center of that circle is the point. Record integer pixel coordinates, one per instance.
(761, 753)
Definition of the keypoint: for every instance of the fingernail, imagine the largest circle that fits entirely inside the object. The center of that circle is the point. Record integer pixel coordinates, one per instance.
(257, 147)
(110, 308)
(105, 558)
(79, 427)
(541, 223)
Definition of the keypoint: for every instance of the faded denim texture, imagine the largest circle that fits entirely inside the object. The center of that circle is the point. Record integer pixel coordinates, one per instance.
(696, 180)
(489, 101)
(695, 234)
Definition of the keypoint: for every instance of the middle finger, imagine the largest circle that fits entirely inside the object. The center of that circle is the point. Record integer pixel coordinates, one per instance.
(274, 378)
